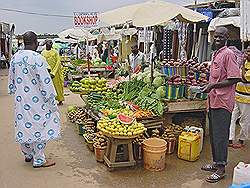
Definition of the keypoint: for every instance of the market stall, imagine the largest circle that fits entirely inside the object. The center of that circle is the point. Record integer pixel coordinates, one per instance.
(82, 64)
(127, 111)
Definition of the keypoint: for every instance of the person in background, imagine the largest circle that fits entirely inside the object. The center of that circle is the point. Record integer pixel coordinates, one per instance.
(116, 50)
(224, 74)
(136, 60)
(3, 61)
(242, 105)
(20, 46)
(161, 56)
(36, 114)
(105, 54)
(113, 55)
(54, 61)
(99, 49)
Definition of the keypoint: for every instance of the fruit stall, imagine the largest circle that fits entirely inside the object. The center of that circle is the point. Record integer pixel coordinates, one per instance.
(118, 115)
(75, 70)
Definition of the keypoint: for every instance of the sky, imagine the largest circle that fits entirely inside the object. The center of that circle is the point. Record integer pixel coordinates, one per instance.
(42, 24)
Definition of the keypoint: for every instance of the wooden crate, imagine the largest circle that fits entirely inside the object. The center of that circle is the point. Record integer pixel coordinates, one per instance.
(186, 106)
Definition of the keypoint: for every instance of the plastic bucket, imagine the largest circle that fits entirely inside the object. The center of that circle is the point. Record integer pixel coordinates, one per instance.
(171, 145)
(154, 151)
(99, 153)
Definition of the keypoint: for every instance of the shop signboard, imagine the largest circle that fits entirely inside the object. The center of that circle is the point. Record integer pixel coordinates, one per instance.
(86, 19)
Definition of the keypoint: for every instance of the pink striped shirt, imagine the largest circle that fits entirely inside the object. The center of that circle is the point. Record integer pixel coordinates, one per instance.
(224, 66)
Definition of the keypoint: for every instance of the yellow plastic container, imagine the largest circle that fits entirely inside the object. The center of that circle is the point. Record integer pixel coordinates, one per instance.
(189, 146)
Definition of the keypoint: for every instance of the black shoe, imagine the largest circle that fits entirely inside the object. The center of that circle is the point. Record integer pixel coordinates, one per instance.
(27, 160)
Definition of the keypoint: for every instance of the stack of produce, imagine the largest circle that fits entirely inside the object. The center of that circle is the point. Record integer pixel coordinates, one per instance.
(184, 74)
(98, 63)
(65, 72)
(90, 134)
(115, 82)
(100, 140)
(196, 79)
(78, 62)
(202, 79)
(168, 134)
(139, 140)
(176, 130)
(121, 126)
(75, 86)
(191, 122)
(77, 114)
(114, 93)
(191, 78)
(89, 126)
(89, 85)
(89, 138)
(198, 75)
(178, 67)
(144, 95)
(112, 113)
(155, 133)
(100, 102)
(100, 145)
(170, 137)
(141, 114)
(175, 80)
(195, 66)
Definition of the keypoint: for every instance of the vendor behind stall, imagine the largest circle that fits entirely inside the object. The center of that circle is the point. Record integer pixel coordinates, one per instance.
(136, 60)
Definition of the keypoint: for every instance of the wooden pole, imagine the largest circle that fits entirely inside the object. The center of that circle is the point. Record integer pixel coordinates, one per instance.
(194, 31)
(88, 58)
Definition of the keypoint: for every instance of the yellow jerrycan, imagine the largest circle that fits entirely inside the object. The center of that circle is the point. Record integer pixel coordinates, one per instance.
(189, 146)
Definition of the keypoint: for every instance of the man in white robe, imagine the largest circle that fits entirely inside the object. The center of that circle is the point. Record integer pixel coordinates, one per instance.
(36, 114)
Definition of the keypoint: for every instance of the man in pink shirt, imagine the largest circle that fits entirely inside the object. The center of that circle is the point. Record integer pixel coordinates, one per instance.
(224, 74)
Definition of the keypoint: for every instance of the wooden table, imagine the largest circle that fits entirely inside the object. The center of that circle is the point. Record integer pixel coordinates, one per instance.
(111, 154)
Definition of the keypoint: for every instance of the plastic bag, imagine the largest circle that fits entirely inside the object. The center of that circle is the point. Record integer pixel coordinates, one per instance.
(241, 174)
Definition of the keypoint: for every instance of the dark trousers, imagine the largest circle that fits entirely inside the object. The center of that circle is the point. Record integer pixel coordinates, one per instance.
(219, 125)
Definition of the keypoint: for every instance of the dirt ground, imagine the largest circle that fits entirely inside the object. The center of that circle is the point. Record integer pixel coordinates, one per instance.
(76, 165)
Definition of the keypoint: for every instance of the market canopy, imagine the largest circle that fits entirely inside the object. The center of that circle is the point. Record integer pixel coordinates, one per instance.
(232, 23)
(150, 13)
(114, 34)
(79, 34)
(245, 20)
(216, 22)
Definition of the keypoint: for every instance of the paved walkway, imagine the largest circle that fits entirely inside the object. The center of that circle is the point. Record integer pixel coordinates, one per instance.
(76, 165)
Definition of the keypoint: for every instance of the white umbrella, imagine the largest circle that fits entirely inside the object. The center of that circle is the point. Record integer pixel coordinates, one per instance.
(76, 34)
(150, 13)
(216, 22)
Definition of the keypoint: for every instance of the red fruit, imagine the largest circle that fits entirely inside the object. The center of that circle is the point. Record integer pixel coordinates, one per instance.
(125, 119)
